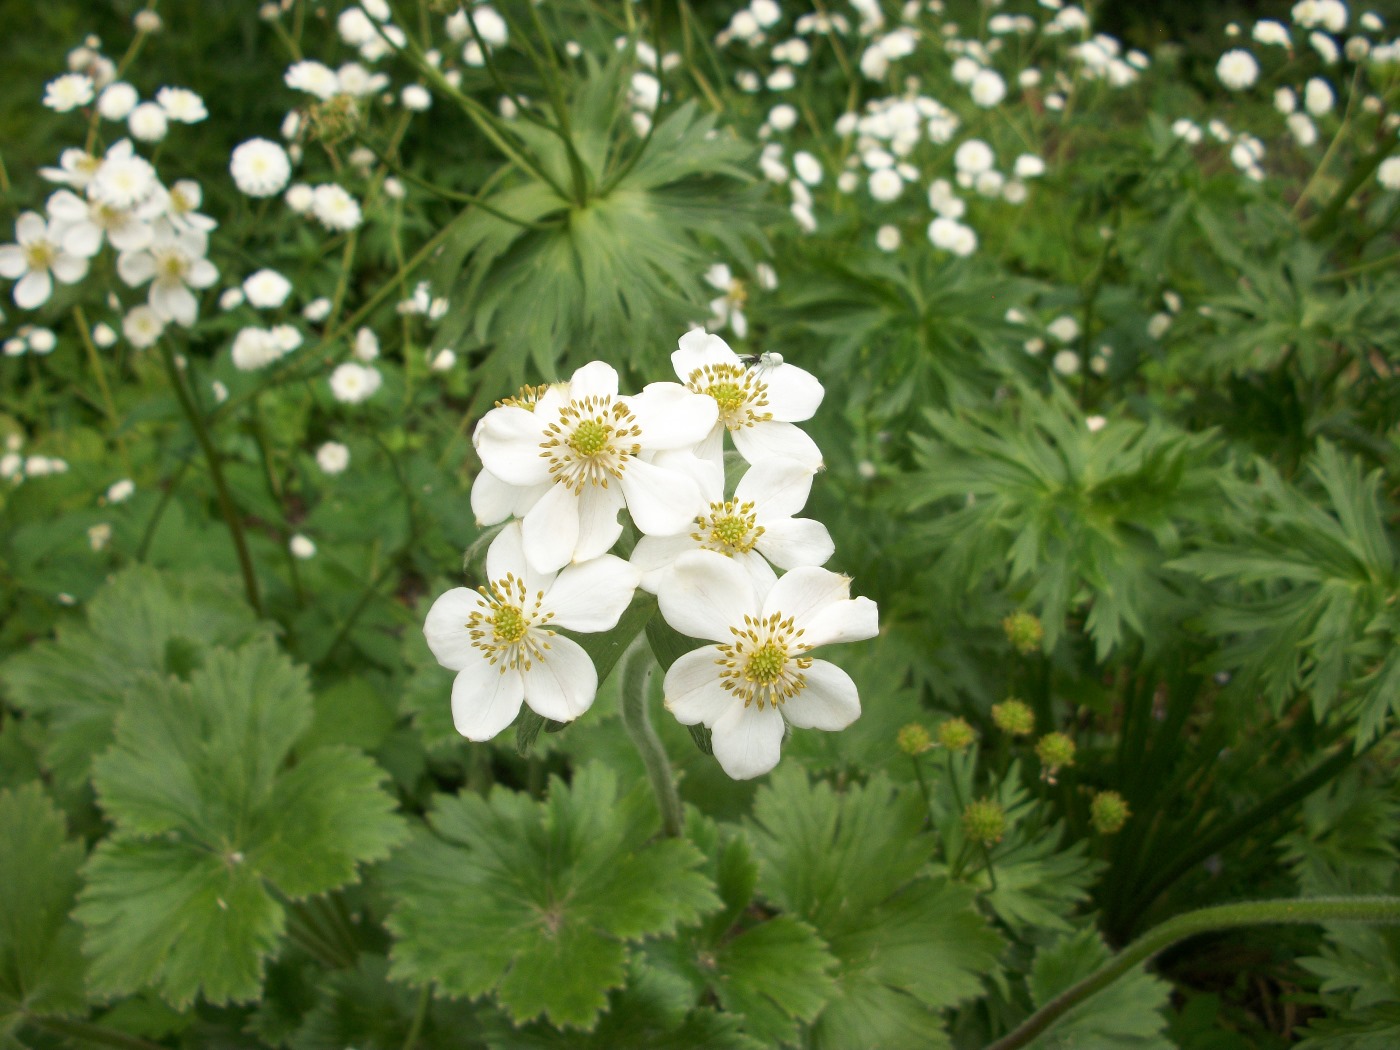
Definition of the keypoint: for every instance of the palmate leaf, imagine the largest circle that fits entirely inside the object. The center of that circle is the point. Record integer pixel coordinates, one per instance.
(850, 865)
(41, 966)
(142, 621)
(536, 903)
(211, 825)
(1127, 1014)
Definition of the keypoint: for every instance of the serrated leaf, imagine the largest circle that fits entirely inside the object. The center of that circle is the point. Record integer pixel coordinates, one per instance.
(41, 966)
(197, 786)
(535, 902)
(1128, 1013)
(141, 622)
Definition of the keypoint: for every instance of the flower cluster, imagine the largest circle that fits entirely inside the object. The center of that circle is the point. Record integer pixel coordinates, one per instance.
(563, 461)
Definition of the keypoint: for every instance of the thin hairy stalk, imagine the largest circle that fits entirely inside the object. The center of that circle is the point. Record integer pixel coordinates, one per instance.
(100, 374)
(637, 665)
(1369, 910)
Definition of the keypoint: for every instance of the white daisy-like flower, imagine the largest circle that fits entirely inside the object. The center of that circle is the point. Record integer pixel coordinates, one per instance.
(1388, 174)
(583, 448)
(301, 547)
(501, 638)
(952, 236)
(260, 168)
(335, 208)
(987, 88)
(333, 458)
(68, 92)
(759, 677)
(888, 238)
(148, 122)
(117, 100)
(142, 326)
(756, 528)
(121, 491)
(352, 383)
(174, 263)
(88, 222)
(37, 259)
(974, 157)
(728, 309)
(182, 105)
(758, 406)
(253, 348)
(182, 207)
(1064, 328)
(315, 78)
(76, 168)
(123, 178)
(267, 289)
(1237, 69)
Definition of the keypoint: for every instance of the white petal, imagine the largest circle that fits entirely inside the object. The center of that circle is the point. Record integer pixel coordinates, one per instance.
(30, 227)
(508, 440)
(67, 206)
(592, 595)
(595, 379)
(805, 592)
(506, 556)
(34, 289)
(130, 236)
(672, 416)
(202, 274)
(446, 628)
(773, 440)
(136, 267)
(12, 261)
(748, 740)
(779, 488)
(563, 684)
(493, 500)
(551, 530)
(793, 393)
(693, 691)
(706, 471)
(598, 527)
(653, 557)
(662, 502)
(849, 621)
(699, 348)
(705, 594)
(829, 701)
(173, 302)
(84, 239)
(70, 268)
(791, 542)
(760, 572)
(485, 701)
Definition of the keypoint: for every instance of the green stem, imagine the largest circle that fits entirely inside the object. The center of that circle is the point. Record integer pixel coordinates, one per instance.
(100, 373)
(216, 472)
(637, 664)
(88, 1032)
(419, 1016)
(1370, 910)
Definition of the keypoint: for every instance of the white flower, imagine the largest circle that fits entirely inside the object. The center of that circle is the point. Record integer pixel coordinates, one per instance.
(1066, 362)
(1064, 328)
(68, 92)
(583, 451)
(142, 326)
(952, 236)
(1270, 32)
(315, 78)
(1301, 126)
(987, 88)
(301, 546)
(253, 348)
(76, 168)
(782, 117)
(317, 310)
(973, 157)
(758, 406)
(260, 168)
(885, 185)
(1237, 69)
(415, 97)
(148, 122)
(1388, 174)
(120, 491)
(182, 204)
(103, 335)
(37, 258)
(42, 340)
(887, 238)
(173, 263)
(727, 309)
(442, 361)
(760, 675)
(501, 640)
(267, 289)
(333, 457)
(1029, 166)
(117, 100)
(181, 104)
(87, 222)
(366, 345)
(352, 383)
(808, 168)
(755, 528)
(1318, 98)
(123, 178)
(335, 208)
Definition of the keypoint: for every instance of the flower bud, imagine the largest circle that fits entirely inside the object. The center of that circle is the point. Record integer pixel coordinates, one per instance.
(1014, 717)
(984, 821)
(1055, 751)
(956, 735)
(1024, 631)
(1108, 812)
(913, 739)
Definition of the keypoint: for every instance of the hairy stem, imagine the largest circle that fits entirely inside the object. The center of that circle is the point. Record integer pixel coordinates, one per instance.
(637, 664)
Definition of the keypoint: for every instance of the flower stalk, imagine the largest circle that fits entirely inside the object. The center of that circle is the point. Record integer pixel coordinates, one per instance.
(637, 666)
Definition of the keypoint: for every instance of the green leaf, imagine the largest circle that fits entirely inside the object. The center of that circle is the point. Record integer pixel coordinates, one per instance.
(850, 864)
(41, 966)
(535, 902)
(1128, 1013)
(197, 785)
(141, 622)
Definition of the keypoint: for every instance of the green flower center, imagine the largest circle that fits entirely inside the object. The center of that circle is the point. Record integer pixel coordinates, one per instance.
(591, 442)
(172, 266)
(730, 396)
(509, 624)
(764, 664)
(589, 438)
(509, 631)
(40, 255)
(742, 397)
(729, 528)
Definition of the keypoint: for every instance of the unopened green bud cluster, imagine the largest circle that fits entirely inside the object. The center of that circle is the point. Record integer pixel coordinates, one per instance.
(1014, 717)
(913, 739)
(1024, 631)
(956, 735)
(1055, 751)
(1108, 812)
(984, 821)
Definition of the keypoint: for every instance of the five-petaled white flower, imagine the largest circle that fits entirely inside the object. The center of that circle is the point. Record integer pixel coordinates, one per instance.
(759, 676)
(758, 406)
(586, 448)
(500, 638)
(173, 263)
(755, 528)
(37, 257)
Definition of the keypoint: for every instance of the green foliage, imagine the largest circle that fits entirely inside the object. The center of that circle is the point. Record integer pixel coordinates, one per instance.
(1068, 517)
(850, 864)
(547, 895)
(41, 967)
(1311, 605)
(139, 623)
(213, 830)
